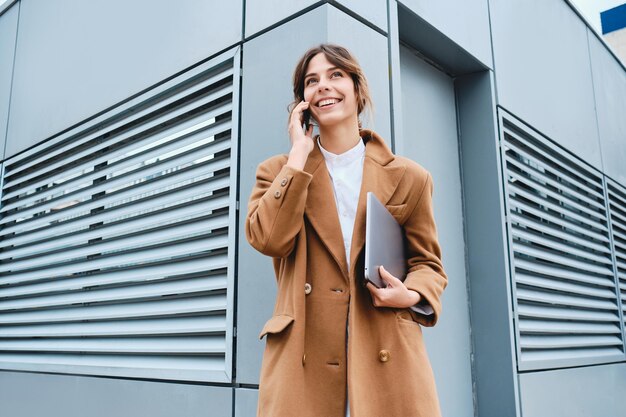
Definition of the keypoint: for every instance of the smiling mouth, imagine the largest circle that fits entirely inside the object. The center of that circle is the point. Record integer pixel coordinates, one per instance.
(327, 102)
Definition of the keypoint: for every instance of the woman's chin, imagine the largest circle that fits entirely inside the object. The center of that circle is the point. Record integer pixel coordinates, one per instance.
(330, 122)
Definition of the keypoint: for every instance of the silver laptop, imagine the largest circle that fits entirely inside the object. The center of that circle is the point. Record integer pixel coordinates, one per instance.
(384, 243)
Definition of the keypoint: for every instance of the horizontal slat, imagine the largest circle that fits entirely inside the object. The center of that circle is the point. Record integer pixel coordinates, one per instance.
(565, 313)
(560, 342)
(121, 230)
(572, 186)
(145, 238)
(559, 272)
(563, 192)
(550, 358)
(111, 225)
(159, 308)
(175, 367)
(146, 273)
(559, 259)
(174, 140)
(144, 345)
(128, 179)
(569, 225)
(619, 246)
(563, 287)
(568, 250)
(163, 326)
(617, 192)
(564, 162)
(120, 198)
(564, 300)
(591, 222)
(120, 294)
(616, 215)
(583, 181)
(139, 213)
(140, 111)
(127, 259)
(619, 232)
(551, 230)
(565, 327)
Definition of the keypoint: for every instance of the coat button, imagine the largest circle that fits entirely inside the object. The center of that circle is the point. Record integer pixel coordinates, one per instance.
(307, 288)
(384, 355)
(277, 194)
(303, 359)
(283, 182)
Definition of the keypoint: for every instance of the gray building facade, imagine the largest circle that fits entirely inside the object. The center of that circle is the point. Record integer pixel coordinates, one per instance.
(130, 134)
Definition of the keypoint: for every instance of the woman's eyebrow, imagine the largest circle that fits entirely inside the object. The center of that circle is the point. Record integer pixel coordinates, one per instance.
(329, 69)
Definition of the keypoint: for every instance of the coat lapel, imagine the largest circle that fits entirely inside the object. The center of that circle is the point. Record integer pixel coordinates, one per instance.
(380, 175)
(321, 209)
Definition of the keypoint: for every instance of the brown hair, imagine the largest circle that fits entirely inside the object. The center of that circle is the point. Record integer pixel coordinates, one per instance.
(339, 56)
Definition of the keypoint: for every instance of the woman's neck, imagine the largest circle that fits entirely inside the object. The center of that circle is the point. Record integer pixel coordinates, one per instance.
(340, 138)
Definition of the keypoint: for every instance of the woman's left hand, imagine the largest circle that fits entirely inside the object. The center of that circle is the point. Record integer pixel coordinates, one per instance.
(396, 294)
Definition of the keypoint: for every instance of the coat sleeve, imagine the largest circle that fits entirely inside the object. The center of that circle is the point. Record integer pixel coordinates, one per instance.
(425, 269)
(276, 208)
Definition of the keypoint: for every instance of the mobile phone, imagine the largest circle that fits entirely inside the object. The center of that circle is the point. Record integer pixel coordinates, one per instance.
(306, 119)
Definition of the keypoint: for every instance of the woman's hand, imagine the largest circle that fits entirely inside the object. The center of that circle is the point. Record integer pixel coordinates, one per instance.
(301, 141)
(396, 294)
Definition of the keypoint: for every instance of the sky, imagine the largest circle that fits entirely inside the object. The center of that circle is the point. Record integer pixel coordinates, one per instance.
(591, 10)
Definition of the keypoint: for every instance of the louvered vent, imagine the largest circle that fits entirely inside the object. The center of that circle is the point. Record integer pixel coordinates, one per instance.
(117, 239)
(564, 283)
(617, 202)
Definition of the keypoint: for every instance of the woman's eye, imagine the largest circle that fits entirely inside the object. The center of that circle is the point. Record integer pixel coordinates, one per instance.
(309, 81)
(338, 73)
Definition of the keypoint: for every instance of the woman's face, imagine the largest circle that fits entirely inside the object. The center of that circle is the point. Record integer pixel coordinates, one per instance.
(330, 92)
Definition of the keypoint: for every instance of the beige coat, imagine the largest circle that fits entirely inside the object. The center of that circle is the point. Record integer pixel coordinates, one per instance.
(292, 217)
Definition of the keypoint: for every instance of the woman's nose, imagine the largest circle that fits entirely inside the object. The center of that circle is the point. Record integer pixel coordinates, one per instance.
(322, 85)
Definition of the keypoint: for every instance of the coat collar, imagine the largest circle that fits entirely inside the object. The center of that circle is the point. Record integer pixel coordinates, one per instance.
(381, 174)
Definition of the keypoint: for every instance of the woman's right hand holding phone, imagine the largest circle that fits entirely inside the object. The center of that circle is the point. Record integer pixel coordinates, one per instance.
(301, 141)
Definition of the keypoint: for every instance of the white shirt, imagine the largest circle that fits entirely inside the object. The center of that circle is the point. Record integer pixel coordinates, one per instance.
(346, 173)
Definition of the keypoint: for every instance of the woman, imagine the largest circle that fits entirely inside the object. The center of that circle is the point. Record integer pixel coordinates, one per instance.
(335, 347)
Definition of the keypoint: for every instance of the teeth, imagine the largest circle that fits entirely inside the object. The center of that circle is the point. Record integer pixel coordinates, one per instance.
(327, 101)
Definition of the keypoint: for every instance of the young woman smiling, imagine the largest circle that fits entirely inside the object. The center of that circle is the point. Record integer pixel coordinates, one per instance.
(335, 347)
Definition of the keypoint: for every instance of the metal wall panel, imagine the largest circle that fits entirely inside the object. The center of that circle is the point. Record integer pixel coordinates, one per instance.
(430, 139)
(8, 33)
(464, 22)
(575, 392)
(246, 402)
(25, 394)
(75, 58)
(609, 87)
(264, 133)
(494, 366)
(118, 240)
(567, 311)
(259, 16)
(543, 74)
(374, 11)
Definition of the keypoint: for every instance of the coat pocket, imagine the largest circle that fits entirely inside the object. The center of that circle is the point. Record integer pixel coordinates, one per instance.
(407, 316)
(276, 324)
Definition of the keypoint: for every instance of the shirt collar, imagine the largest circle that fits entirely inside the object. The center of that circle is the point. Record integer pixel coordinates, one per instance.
(358, 151)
